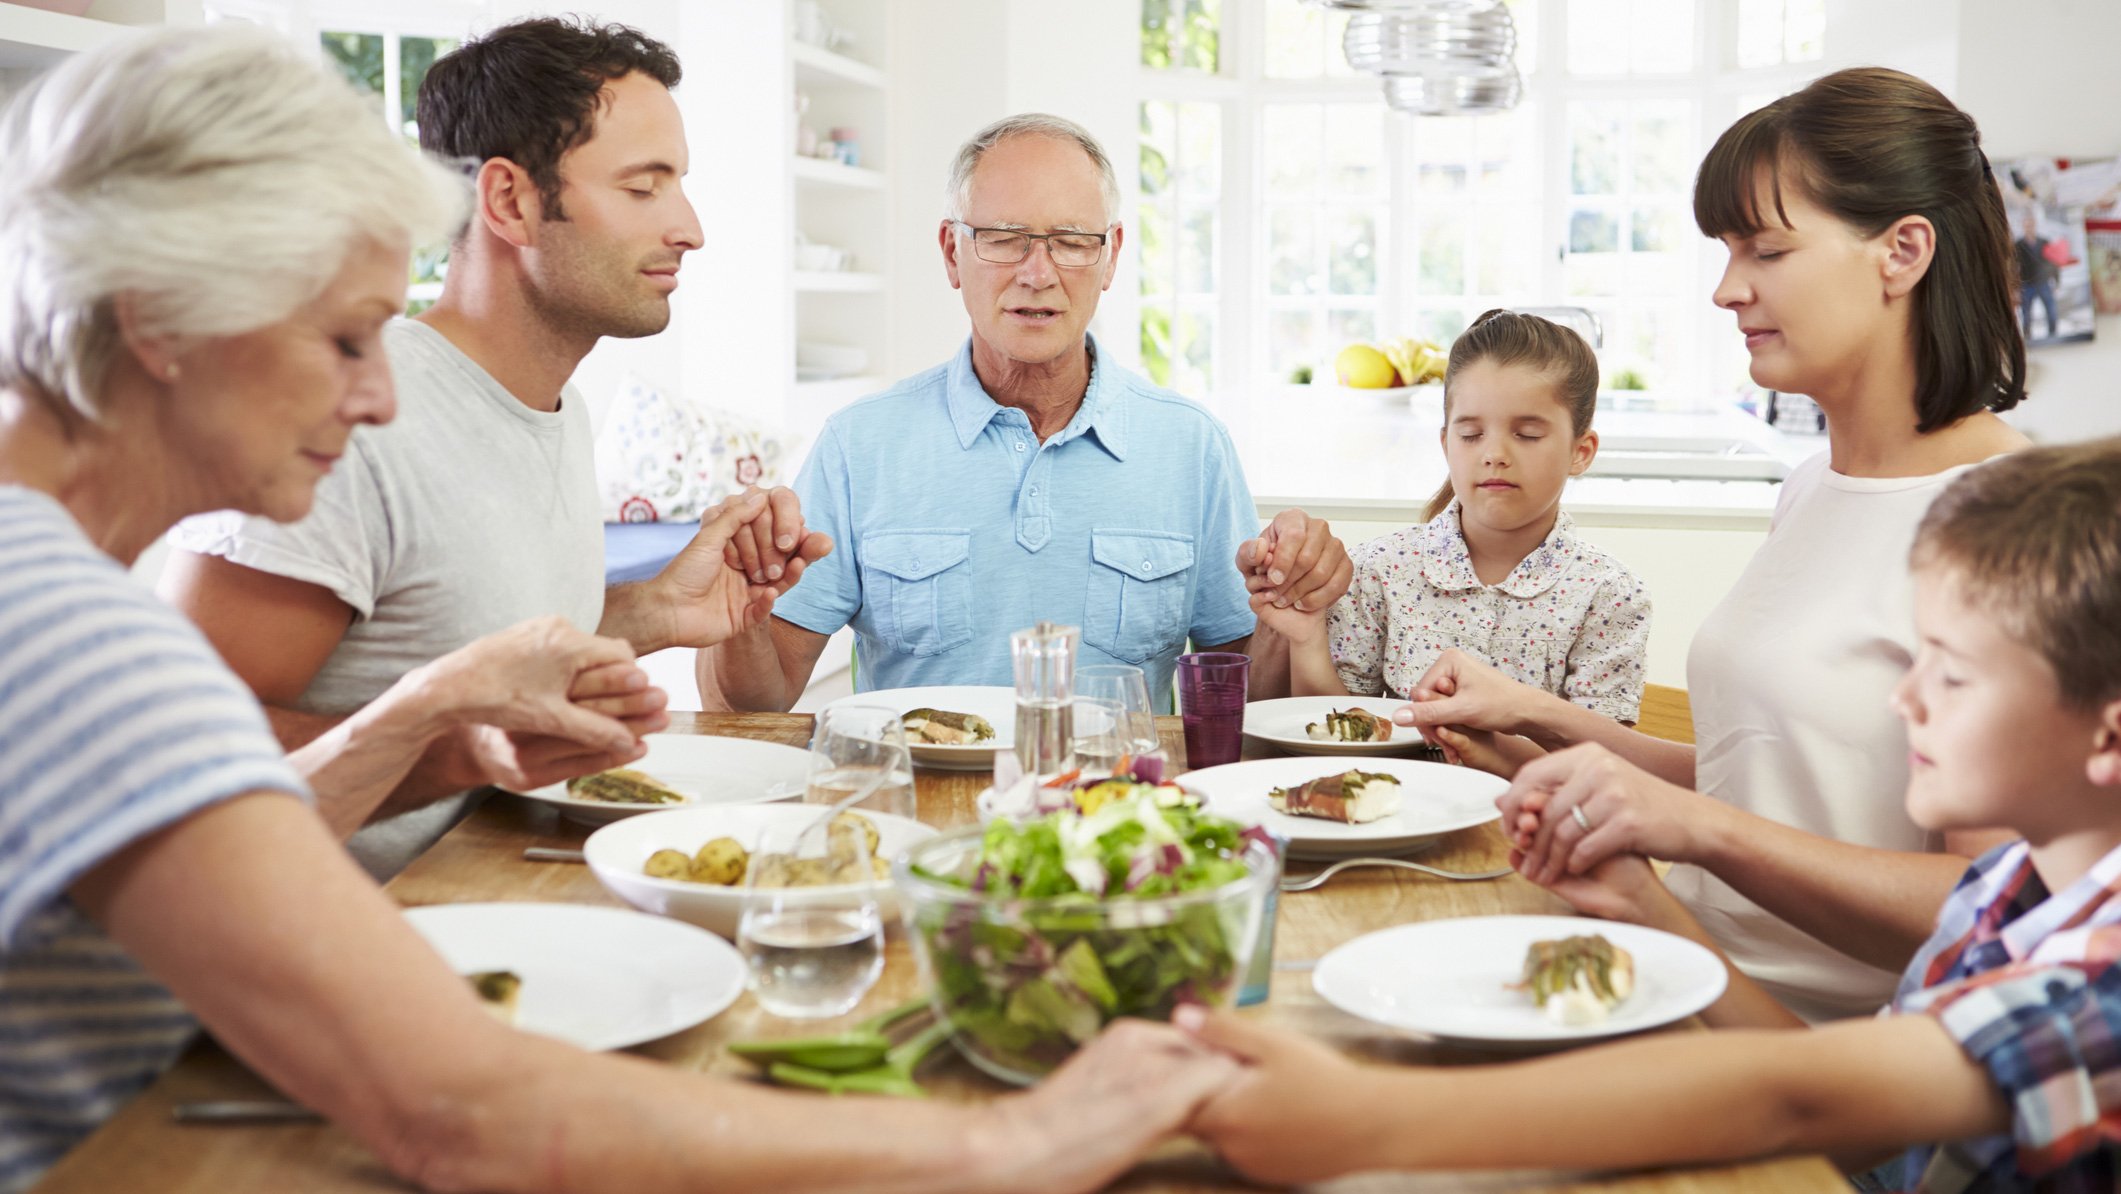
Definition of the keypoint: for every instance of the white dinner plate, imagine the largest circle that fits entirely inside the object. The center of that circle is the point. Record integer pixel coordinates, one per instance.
(996, 704)
(706, 769)
(1281, 724)
(1434, 798)
(1451, 979)
(600, 978)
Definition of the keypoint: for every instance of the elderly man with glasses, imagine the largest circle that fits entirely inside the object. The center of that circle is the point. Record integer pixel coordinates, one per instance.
(1030, 477)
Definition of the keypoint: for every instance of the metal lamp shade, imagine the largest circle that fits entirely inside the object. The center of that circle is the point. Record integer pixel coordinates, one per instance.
(1436, 57)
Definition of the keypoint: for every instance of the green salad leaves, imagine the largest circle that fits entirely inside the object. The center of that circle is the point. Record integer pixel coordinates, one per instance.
(1069, 921)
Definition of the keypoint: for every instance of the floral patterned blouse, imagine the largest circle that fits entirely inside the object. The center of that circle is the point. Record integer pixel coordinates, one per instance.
(1568, 618)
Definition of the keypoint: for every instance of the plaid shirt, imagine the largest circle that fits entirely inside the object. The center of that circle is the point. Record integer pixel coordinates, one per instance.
(2028, 984)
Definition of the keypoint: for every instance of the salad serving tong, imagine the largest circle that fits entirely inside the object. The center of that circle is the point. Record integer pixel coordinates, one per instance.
(1307, 882)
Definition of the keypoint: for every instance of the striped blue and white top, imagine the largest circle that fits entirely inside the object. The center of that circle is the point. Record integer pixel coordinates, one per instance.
(116, 720)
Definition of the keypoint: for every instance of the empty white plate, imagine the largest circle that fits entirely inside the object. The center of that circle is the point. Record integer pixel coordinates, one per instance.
(709, 770)
(1452, 979)
(996, 704)
(600, 978)
(1281, 723)
(1434, 798)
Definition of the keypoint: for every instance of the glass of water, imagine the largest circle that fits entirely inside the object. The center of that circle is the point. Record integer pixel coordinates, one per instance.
(856, 746)
(1113, 716)
(811, 929)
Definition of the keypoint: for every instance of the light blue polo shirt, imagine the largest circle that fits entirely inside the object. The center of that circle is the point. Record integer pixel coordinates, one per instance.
(952, 526)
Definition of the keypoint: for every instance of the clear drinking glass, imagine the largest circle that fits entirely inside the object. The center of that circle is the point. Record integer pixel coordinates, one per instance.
(1044, 661)
(855, 745)
(1113, 716)
(811, 929)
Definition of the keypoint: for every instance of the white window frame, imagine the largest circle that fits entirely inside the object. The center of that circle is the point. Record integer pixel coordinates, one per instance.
(1715, 86)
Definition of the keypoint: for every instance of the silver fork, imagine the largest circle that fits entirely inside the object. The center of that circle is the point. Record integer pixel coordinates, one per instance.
(1307, 882)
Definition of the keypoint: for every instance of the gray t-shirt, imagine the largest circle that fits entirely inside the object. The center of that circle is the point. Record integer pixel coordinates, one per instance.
(466, 514)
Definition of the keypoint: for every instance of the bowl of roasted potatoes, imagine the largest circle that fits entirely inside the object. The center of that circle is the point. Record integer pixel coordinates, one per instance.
(690, 863)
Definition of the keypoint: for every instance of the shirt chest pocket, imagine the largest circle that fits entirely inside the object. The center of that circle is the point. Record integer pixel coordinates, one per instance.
(1139, 582)
(917, 586)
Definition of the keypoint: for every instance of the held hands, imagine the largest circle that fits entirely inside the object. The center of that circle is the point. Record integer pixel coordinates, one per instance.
(1461, 691)
(1623, 887)
(750, 549)
(1294, 1112)
(1572, 810)
(522, 761)
(540, 702)
(1296, 563)
(1133, 1086)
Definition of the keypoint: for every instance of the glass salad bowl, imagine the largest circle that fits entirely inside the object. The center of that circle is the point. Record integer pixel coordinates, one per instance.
(1032, 936)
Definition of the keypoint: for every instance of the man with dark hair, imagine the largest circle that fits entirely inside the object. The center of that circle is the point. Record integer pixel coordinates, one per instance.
(477, 507)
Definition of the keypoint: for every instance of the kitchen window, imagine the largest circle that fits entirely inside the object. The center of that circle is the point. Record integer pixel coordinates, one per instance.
(1285, 211)
(383, 50)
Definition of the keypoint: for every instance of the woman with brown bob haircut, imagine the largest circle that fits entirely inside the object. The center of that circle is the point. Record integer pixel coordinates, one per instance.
(1870, 269)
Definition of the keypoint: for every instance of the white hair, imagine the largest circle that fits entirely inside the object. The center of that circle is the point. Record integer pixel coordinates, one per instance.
(958, 195)
(214, 175)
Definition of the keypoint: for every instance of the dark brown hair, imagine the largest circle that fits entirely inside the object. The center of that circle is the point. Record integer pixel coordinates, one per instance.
(528, 92)
(1507, 338)
(1872, 146)
(2034, 539)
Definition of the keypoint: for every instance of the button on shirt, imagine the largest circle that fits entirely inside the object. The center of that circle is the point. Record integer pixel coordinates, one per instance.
(2027, 983)
(1568, 619)
(953, 525)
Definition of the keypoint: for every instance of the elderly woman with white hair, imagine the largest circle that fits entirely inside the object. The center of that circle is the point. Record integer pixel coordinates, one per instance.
(202, 235)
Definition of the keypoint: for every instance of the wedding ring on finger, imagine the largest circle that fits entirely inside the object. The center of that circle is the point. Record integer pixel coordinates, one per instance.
(1582, 822)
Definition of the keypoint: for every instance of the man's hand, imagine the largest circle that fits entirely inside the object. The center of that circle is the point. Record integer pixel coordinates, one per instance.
(1296, 562)
(712, 590)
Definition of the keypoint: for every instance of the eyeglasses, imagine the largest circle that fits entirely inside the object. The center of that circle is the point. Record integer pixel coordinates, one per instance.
(1008, 246)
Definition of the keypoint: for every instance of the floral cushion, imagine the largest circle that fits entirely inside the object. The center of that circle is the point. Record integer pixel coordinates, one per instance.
(661, 460)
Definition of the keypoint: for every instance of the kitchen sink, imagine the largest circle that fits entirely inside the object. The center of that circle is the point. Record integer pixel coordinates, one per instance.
(1685, 457)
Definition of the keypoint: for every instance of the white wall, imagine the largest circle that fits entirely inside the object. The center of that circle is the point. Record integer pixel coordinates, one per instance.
(1686, 571)
(2039, 77)
(964, 66)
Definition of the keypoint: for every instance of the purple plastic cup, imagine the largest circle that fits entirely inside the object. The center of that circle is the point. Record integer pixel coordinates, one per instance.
(1211, 703)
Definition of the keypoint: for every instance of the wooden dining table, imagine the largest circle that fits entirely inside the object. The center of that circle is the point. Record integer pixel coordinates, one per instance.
(143, 1149)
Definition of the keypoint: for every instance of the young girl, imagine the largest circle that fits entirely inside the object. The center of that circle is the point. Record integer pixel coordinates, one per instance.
(1496, 570)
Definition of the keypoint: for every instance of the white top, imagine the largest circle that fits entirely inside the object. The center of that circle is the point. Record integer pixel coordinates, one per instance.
(116, 720)
(1568, 619)
(1788, 678)
(468, 513)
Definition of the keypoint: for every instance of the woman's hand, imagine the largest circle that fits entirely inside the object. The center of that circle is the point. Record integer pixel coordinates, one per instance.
(1459, 690)
(523, 680)
(1295, 1112)
(1119, 1096)
(1574, 809)
(1623, 887)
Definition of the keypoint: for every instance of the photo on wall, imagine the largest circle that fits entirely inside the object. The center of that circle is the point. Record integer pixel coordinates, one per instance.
(2048, 202)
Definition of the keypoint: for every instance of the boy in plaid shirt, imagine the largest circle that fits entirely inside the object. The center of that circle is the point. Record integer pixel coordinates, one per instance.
(1998, 1065)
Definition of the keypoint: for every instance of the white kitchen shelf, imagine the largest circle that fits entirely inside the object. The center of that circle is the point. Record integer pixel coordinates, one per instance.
(824, 173)
(816, 66)
(31, 38)
(837, 281)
